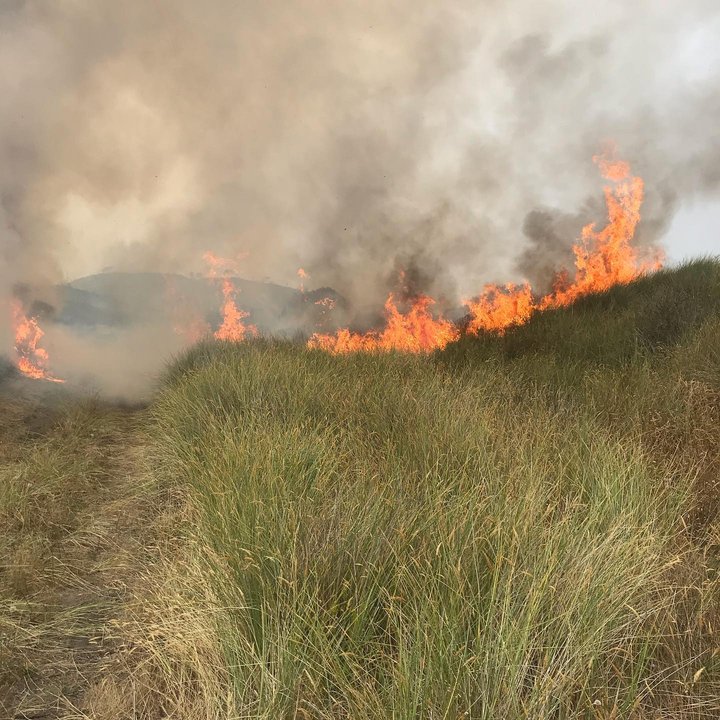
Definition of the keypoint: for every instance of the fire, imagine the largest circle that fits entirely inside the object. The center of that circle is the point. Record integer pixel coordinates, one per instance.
(606, 257)
(31, 360)
(233, 328)
(603, 258)
(415, 330)
(303, 275)
(499, 307)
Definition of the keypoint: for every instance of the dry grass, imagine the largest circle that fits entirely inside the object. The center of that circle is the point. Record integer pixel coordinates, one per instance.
(521, 527)
(74, 510)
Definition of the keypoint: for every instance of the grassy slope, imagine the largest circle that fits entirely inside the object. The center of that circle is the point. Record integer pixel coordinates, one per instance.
(517, 527)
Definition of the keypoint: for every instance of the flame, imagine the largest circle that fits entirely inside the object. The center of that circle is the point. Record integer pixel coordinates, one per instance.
(31, 359)
(232, 327)
(606, 257)
(498, 307)
(415, 330)
(303, 275)
(603, 258)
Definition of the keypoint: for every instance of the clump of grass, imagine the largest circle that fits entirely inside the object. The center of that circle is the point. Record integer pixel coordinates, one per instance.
(389, 539)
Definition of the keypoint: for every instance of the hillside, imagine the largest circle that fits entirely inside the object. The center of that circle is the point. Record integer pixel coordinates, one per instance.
(518, 526)
(643, 319)
(122, 299)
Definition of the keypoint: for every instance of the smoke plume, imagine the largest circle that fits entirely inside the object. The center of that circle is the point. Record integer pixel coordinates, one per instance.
(348, 137)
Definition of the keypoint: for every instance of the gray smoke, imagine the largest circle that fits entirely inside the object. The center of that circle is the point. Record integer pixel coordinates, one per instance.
(349, 137)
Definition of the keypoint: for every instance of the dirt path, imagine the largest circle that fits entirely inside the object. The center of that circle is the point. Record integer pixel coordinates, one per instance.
(77, 510)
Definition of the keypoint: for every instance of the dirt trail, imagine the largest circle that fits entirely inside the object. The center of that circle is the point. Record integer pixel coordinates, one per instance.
(72, 550)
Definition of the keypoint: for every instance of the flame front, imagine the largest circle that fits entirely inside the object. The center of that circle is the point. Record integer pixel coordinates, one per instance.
(606, 257)
(31, 360)
(415, 330)
(603, 258)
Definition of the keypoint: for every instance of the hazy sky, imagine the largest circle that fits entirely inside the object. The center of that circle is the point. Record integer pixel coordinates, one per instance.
(695, 231)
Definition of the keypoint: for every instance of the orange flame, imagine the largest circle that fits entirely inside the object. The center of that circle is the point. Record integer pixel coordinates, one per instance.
(31, 359)
(499, 307)
(303, 277)
(413, 331)
(603, 258)
(606, 257)
(232, 327)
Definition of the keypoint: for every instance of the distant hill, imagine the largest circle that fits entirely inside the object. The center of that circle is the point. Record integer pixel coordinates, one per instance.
(122, 299)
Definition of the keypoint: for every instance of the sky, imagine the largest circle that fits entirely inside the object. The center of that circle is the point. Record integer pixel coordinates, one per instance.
(695, 232)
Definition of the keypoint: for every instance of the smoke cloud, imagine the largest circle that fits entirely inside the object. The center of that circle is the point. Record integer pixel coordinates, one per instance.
(348, 137)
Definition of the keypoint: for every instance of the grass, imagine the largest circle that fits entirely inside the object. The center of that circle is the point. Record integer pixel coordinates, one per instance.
(65, 545)
(518, 527)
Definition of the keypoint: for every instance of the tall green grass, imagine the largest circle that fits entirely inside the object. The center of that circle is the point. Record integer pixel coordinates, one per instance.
(490, 533)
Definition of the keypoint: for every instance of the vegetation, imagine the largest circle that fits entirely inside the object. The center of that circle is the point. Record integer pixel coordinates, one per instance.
(73, 511)
(517, 527)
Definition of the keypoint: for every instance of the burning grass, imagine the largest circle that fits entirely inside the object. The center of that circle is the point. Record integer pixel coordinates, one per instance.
(520, 526)
(511, 529)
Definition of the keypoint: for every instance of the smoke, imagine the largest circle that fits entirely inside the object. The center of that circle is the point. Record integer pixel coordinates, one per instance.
(348, 137)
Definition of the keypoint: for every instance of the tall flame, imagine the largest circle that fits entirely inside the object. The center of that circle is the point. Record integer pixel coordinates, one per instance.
(31, 360)
(303, 275)
(603, 258)
(232, 327)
